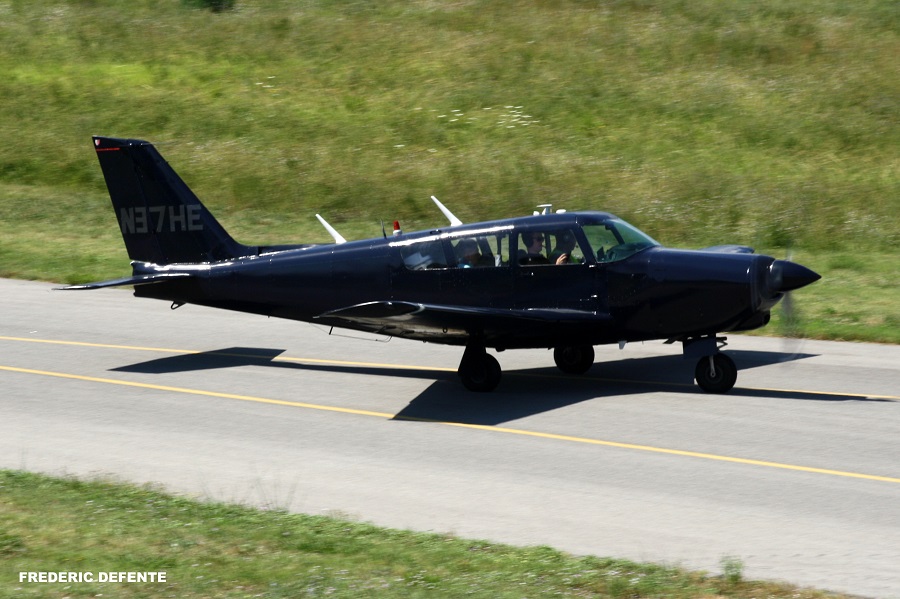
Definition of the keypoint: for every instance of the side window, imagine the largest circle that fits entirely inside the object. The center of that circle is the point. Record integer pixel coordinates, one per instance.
(565, 248)
(553, 247)
(426, 254)
(533, 248)
(601, 238)
(616, 240)
(480, 251)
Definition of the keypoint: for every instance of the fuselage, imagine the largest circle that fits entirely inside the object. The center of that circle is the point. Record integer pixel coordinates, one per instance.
(634, 288)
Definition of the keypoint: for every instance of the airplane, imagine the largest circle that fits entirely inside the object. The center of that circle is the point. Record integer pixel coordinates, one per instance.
(562, 280)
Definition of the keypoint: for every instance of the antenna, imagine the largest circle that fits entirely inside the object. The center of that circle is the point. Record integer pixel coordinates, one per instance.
(337, 236)
(454, 222)
(546, 209)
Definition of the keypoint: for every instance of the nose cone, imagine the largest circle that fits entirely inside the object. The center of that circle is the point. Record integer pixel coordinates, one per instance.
(787, 276)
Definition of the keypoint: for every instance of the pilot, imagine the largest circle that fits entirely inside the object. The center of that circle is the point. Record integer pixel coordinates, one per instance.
(534, 247)
(467, 253)
(562, 254)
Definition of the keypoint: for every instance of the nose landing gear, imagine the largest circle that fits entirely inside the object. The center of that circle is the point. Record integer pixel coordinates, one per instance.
(715, 372)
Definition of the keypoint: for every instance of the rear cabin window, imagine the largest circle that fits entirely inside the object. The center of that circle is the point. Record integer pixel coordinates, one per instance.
(481, 251)
(424, 255)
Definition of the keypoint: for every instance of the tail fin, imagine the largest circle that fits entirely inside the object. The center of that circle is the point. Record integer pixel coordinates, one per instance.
(161, 219)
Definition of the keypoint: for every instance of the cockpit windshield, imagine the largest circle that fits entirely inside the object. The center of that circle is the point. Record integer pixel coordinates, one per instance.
(614, 240)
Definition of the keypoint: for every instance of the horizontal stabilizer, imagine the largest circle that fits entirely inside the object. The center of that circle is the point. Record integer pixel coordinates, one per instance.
(135, 280)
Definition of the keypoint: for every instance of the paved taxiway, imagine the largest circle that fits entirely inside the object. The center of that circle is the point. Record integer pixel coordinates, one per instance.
(796, 472)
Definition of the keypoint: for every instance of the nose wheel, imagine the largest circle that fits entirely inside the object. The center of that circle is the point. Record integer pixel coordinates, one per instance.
(716, 373)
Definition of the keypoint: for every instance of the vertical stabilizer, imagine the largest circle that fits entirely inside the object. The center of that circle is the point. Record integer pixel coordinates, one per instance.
(161, 219)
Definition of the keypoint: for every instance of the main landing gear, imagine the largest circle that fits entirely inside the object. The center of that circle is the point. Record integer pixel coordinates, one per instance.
(574, 359)
(478, 370)
(715, 372)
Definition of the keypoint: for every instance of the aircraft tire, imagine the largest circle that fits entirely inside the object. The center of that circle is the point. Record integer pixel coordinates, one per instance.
(481, 374)
(725, 376)
(574, 359)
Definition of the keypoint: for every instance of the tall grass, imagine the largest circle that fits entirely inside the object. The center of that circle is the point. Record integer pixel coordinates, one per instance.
(770, 123)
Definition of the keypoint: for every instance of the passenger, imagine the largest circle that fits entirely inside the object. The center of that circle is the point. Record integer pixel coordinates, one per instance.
(467, 254)
(534, 248)
(565, 245)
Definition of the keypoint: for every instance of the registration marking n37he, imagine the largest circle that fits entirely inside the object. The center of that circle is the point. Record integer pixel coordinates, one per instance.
(169, 219)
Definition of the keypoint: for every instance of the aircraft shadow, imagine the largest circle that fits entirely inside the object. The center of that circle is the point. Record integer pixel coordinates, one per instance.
(524, 393)
(233, 357)
(208, 360)
(521, 393)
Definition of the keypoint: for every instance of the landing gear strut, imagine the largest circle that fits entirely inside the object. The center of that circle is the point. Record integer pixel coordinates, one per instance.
(715, 372)
(478, 370)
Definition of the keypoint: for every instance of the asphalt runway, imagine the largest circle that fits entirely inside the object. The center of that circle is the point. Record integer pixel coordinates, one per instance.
(795, 472)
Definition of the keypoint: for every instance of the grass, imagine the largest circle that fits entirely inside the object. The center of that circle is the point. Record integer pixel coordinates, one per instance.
(774, 124)
(220, 550)
(856, 299)
(771, 124)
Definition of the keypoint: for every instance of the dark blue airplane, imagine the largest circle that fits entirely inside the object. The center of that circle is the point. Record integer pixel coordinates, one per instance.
(564, 280)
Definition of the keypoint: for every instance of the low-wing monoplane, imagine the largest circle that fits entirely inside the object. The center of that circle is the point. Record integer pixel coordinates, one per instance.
(561, 280)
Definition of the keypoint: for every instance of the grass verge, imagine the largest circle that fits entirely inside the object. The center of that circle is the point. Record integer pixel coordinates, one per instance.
(221, 550)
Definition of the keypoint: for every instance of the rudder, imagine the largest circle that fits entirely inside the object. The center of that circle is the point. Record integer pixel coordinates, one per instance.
(160, 218)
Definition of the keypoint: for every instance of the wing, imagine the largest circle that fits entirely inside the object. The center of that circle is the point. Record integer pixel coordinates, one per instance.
(455, 324)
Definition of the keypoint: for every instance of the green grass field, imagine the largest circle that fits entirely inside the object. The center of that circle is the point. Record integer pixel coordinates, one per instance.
(772, 124)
